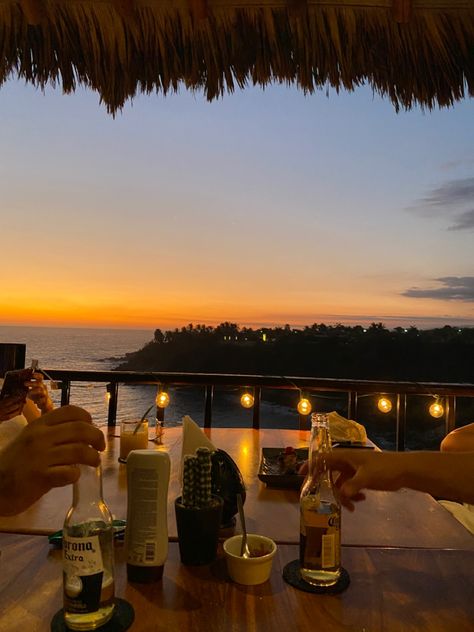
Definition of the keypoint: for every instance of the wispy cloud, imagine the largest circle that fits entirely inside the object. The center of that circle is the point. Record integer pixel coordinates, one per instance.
(450, 165)
(451, 289)
(450, 194)
(451, 198)
(464, 221)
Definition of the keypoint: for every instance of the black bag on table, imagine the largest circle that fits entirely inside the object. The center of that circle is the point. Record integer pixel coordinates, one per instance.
(227, 482)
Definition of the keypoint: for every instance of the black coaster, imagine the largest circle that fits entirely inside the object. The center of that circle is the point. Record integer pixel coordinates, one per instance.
(292, 576)
(121, 620)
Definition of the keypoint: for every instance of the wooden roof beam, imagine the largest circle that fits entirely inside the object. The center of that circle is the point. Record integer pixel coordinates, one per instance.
(125, 8)
(402, 10)
(33, 10)
(199, 9)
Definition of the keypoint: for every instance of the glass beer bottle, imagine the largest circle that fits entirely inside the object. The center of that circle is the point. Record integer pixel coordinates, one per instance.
(320, 513)
(88, 555)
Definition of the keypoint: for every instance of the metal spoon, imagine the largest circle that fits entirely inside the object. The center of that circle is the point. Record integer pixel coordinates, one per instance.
(244, 549)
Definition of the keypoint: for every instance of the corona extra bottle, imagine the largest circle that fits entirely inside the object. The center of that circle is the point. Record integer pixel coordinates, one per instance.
(320, 522)
(88, 555)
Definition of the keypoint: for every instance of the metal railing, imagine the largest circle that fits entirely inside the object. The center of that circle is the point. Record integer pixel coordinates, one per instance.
(353, 389)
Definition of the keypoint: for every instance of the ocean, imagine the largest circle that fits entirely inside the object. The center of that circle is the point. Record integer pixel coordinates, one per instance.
(100, 349)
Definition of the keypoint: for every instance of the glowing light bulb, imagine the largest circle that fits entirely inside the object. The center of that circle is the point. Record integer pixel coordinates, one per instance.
(304, 406)
(107, 397)
(162, 399)
(247, 400)
(436, 409)
(384, 405)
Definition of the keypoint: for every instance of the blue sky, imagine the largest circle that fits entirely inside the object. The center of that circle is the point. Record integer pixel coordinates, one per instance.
(264, 207)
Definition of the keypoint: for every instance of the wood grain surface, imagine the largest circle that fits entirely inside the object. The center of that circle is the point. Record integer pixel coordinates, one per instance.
(391, 590)
(386, 519)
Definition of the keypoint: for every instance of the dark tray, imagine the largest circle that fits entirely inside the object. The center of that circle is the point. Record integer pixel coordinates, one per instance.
(270, 471)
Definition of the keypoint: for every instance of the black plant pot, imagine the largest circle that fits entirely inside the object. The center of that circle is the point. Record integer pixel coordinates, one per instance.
(198, 532)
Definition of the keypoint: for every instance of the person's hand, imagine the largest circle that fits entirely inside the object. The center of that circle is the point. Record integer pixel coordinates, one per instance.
(362, 469)
(10, 407)
(46, 454)
(38, 393)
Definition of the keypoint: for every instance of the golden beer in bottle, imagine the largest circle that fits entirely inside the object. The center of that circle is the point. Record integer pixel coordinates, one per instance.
(320, 512)
(88, 555)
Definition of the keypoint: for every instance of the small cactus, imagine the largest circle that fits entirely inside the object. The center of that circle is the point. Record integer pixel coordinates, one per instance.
(197, 479)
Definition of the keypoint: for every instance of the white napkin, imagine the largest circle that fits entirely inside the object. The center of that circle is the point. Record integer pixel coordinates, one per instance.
(342, 429)
(193, 438)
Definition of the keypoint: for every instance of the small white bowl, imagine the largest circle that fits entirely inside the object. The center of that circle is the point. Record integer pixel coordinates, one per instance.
(249, 570)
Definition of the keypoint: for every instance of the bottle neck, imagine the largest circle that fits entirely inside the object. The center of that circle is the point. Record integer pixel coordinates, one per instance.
(87, 490)
(319, 444)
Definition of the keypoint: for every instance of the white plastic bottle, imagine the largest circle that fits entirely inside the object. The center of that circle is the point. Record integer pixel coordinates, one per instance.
(146, 534)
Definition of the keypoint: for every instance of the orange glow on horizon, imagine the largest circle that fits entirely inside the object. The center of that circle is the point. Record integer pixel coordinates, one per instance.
(139, 308)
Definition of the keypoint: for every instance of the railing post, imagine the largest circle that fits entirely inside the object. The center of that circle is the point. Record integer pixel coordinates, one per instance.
(401, 421)
(352, 405)
(208, 406)
(257, 394)
(65, 392)
(112, 389)
(450, 418)
(304, 421)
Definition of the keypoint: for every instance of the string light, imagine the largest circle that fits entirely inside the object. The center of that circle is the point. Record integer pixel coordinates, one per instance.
(247, 400)
(162, 399)
(384, 405)
(436, 409)
(304, 406)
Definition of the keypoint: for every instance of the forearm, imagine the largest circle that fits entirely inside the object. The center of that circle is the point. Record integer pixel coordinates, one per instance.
(444, 475)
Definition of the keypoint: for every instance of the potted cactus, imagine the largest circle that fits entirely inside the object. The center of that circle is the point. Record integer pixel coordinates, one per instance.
(198, 511)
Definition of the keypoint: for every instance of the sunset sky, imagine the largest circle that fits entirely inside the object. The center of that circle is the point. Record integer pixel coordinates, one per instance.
(263, 208)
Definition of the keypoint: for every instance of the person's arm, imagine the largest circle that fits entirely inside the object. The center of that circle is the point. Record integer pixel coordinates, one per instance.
(459, 440)
(46, 454)
(446, 475)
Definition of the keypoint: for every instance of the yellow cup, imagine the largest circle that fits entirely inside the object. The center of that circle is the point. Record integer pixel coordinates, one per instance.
(131, 440)
(250, 570)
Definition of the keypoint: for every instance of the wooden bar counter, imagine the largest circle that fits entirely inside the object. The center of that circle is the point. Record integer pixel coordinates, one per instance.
(391, 590)
(386, 519)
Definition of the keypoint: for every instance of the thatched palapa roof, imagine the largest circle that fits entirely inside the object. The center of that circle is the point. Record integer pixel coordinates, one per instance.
(413, 51)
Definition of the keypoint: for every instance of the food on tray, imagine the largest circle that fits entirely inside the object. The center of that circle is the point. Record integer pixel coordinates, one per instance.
(288, 461)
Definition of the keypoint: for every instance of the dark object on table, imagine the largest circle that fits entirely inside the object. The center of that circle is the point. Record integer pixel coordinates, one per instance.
(198, 531)
(273, 468)
(121, 620)
(272, 473)
(227, 482)
(292, 576)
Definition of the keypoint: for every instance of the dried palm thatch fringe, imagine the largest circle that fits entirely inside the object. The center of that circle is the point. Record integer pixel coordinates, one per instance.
(122, 47)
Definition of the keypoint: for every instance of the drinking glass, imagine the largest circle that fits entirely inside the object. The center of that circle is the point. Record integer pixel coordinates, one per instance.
(131, 440)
